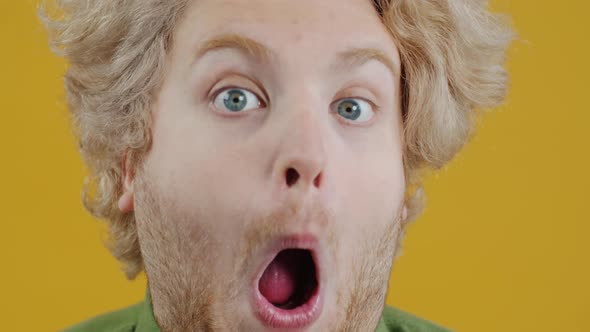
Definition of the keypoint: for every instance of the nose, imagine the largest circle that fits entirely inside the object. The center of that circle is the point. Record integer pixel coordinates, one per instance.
(301, 160)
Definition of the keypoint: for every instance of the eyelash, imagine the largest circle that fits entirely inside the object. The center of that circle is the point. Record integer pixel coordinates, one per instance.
(264, 104)
(218, 92)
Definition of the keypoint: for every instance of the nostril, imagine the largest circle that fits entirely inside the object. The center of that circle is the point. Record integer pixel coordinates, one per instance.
(317, 180)
(292, 176)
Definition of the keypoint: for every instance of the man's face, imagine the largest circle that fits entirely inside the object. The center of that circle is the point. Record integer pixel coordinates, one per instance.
(272, 193)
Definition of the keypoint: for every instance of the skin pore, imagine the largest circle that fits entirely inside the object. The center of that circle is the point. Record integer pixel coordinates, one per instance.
(274, 118)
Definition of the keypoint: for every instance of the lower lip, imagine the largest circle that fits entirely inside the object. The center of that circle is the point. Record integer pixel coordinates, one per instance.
(296, 318)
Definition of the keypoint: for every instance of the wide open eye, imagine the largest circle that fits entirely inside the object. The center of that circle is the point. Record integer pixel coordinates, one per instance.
(355, 110)
(236, 100)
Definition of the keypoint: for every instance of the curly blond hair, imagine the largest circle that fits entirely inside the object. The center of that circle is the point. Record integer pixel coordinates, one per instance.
(452, 54)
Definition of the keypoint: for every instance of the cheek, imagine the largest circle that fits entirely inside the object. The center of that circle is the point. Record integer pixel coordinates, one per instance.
(371, 195)
(372, 188)
(206, 175)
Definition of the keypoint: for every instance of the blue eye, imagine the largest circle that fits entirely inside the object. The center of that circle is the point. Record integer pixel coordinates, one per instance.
(236, 100)
(355, 109)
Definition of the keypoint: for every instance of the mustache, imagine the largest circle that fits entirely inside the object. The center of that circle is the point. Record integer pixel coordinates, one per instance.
(289, 217)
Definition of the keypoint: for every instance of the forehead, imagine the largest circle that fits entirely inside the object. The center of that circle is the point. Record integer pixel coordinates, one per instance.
(302, 29)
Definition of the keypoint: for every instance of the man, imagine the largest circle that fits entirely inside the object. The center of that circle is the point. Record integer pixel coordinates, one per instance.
(259, 159)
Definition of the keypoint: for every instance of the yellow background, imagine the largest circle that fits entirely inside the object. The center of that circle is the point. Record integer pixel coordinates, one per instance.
(502, 246)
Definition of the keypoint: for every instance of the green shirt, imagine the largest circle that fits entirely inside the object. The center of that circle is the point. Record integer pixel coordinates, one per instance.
(140, 318)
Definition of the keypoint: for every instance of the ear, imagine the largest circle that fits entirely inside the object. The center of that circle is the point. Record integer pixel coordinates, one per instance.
(126, 199)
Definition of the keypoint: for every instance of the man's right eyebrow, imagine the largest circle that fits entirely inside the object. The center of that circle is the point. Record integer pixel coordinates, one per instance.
(243, 44)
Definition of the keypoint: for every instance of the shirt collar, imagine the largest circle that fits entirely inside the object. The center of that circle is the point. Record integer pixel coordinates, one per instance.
(146, 322)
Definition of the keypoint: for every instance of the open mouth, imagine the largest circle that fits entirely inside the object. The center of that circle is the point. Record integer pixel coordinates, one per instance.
(290, 280)
(287, 291)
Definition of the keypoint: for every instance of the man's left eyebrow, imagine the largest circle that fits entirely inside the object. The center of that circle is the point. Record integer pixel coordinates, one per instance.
(358, 56)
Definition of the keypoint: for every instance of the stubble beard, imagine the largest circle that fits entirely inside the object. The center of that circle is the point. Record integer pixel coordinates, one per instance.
(186, 296)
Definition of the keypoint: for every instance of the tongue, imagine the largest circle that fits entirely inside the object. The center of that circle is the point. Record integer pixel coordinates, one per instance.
(278, 282)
